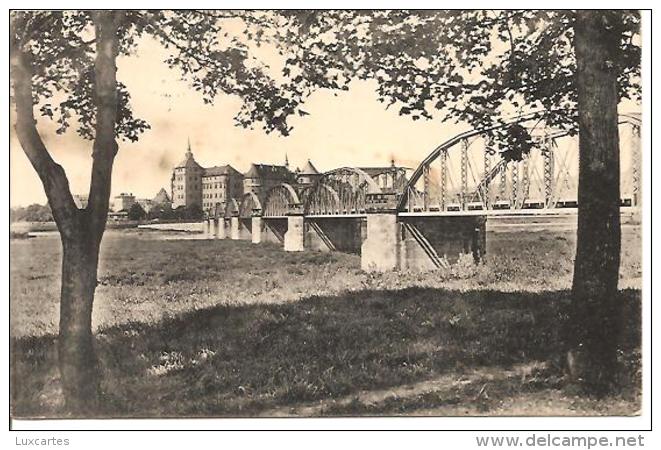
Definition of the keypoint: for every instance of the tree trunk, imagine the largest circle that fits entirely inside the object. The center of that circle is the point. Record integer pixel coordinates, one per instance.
(81, 231)
(77, 359)
(594, 317)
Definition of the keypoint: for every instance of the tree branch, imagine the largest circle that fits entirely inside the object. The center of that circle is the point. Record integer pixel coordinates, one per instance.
(51, 174)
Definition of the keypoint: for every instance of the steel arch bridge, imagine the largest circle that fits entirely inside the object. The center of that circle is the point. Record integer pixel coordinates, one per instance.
(281, 201)
(250, 206)
(463, 174)
(341, 191)
(231, 208)
(546, 178)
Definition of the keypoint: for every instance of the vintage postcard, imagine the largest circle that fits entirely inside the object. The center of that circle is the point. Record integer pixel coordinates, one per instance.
(326, 213)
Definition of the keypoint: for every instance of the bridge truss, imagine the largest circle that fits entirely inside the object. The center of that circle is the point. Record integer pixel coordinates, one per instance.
(340, 192)
(281, 201)
(250, 206)
(468, 173)
(465, 173)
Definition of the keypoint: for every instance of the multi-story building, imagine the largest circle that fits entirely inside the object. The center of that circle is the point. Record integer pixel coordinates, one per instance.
(123, 202)
(208, 188)
(219, 184)
(186, 182)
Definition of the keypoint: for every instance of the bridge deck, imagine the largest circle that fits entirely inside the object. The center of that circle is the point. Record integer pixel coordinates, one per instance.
(625, 210)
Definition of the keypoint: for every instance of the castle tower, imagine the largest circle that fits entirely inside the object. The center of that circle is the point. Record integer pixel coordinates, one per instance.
(308, 174)
(187, 182)
(252, 180)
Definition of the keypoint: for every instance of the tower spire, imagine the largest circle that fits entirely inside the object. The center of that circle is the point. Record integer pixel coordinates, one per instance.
(286, 161)
(189, 152)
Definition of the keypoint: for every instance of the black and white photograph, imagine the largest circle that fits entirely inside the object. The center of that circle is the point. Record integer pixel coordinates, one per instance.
(328, 213)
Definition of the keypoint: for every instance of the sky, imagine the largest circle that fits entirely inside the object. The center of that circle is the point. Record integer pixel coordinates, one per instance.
(349, 128)
(344, 128)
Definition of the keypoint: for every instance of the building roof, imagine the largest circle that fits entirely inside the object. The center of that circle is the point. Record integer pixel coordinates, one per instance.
(309, 169)
(162, 197)
(267, 171)
(375, 171)
(188, 161)
(218, 170)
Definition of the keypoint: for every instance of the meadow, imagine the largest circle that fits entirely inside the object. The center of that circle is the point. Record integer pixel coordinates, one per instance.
(188, 327)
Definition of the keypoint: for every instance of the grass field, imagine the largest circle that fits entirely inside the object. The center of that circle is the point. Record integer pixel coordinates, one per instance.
(210, 328)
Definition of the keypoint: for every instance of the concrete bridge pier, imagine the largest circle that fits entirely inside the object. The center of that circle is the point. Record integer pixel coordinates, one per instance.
(329, 234)
(274, 229)
(212, 228)
(205, 231)
(432, 242)
(218, 222)
(380, 250)
(256, 230)
(221, 231)
(295, 235)
(234, 228)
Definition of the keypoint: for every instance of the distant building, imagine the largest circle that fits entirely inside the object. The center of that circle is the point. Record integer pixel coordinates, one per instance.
(389, 178)
(208, 188)
(123, 202)
(307, 175)
(186, 182)
(118, 216)
(220, 183)
(162, 198)
(262, 177)
(145, 203)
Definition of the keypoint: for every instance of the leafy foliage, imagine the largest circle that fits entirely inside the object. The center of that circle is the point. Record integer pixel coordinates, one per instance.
(136, 212)
(60, 44)
(32, 213)
(482, 67)
(477, 66)
(204, 46)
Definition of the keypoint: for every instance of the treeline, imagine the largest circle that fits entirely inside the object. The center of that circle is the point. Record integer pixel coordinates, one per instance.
(42, 213)
(32, 213)
(166, 213)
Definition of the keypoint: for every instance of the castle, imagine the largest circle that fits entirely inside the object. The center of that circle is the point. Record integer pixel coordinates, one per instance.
(212, 187)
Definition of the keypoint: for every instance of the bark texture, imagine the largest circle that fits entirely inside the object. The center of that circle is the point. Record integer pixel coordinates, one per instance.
(595, 319)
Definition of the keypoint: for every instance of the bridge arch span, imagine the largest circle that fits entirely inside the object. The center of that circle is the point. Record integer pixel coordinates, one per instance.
(340, 191)
(250, 206)
(231, 208)
(281, 200)
(467, 172)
